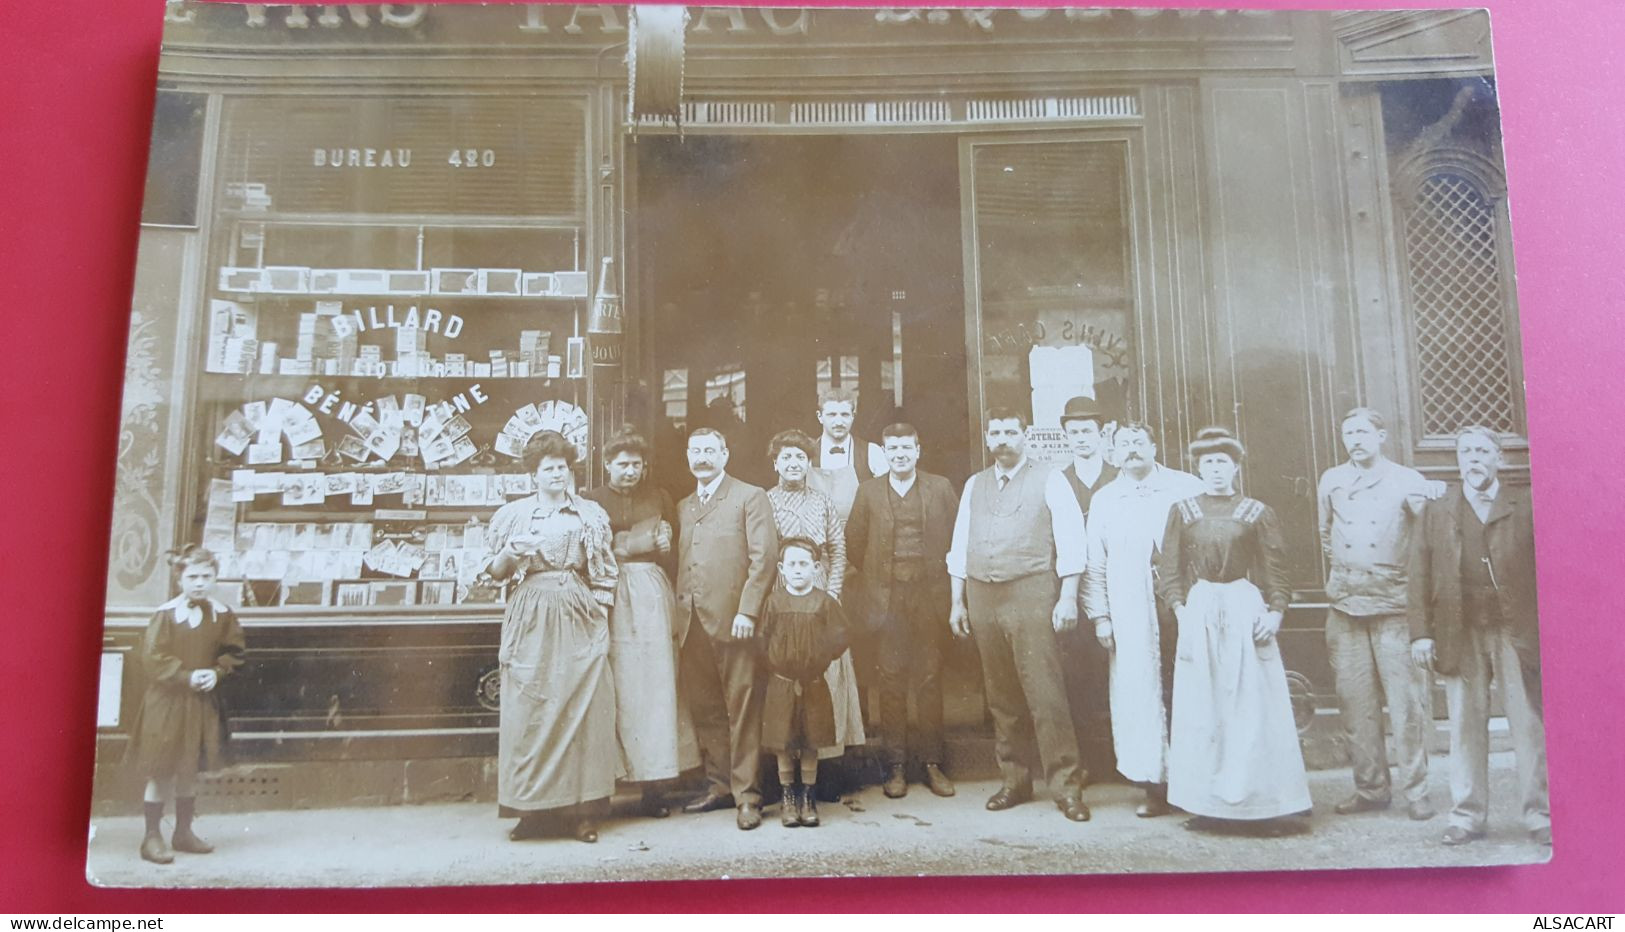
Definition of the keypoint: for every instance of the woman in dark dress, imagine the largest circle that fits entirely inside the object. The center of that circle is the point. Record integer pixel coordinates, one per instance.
(190, 645)
(652, 726)
(1233, 750)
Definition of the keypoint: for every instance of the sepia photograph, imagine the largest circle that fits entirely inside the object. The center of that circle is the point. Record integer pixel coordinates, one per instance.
(571, 443)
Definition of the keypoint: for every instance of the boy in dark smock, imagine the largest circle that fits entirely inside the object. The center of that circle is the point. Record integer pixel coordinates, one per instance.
(803, 631)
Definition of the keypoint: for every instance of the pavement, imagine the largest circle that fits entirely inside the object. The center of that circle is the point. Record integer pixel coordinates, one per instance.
(864, 834)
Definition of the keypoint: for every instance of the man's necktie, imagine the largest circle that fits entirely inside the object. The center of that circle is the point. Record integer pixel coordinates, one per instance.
(1003, 481)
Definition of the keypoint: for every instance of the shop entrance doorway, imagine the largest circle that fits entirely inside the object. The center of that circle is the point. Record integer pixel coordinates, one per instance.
(770, 268)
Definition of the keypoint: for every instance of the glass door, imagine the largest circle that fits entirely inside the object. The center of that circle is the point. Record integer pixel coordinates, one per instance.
(1051, 285)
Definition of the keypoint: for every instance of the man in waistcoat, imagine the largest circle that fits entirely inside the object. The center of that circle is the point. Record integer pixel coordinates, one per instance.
(1472, 613)
(1017, 551)
(1087, 664)
(898, 537)
(1126, 521)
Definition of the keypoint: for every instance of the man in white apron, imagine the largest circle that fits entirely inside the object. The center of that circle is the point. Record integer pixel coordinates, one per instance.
(1126, 521)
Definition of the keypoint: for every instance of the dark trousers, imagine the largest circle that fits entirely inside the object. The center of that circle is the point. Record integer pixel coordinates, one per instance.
(1023, 681)
(1088, 693)
(723, 687)
(909, 640)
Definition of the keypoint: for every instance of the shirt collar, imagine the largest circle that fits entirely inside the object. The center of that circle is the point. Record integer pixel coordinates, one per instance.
(1473, 496)
(1011, 472)
(708, 489)
(900, 487)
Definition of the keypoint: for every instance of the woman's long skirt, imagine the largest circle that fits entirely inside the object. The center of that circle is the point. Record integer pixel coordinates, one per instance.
(1234, 751)
(653, 728)
(556, 736)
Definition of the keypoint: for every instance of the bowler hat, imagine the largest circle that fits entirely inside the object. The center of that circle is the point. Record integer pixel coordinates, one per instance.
(1082, 408)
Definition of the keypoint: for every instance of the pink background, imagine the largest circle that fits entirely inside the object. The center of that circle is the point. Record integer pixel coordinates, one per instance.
(76, 87)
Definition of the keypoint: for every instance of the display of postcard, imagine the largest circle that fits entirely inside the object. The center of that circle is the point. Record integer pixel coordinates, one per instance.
(240, 279)
(430, 567)
(434, 423)
(408, 282)
(287, 279)
(311, 592)
(383, 443)
(264, 454)
(304, 536)
(301, 427)
(363, 490)
(500, 281)
(304, 490)
(324, 281)
(462, 449)
(539, 284)
(437, 592)
(219, 540)
(456, 427)
(413, 490)
(571, 284)
(352, 594)
(575, 349)
(275, 410)
(363, 281)
(364, 423)
(389, 483)
(394, 593)
(340, 483)
(456, 281)
(412, 407)
(509, 445)
(235, 434)
(242, 485)
(354, 448)
(254, 412)
(310, 451)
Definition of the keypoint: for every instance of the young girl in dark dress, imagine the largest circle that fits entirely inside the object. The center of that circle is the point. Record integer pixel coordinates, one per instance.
(190, 645)
(803, 629)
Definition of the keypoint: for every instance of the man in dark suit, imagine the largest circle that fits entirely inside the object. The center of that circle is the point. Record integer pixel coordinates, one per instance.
(1472, 613)
(726, 548)
(1087, 664)
(897, 538)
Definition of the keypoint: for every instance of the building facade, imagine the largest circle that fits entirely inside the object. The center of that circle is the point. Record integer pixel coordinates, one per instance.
(381, 243)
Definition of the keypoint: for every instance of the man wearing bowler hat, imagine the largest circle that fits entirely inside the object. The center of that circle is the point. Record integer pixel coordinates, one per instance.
(1087, 665)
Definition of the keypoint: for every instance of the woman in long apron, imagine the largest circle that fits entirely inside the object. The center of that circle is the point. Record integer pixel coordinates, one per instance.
(802, 511)
(1233, 748)
(652, 726)
(556, 749)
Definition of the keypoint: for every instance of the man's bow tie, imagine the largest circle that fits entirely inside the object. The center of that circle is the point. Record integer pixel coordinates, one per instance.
(837, 449)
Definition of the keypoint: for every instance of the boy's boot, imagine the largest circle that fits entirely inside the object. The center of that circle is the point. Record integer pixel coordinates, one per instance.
(809, 806)
(183, 839)
(790, 807)
(152, 845)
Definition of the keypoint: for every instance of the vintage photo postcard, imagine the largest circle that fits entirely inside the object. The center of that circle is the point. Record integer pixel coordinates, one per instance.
(599, 442)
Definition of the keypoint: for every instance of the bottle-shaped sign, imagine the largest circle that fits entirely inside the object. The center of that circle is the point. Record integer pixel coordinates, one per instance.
(604, 322)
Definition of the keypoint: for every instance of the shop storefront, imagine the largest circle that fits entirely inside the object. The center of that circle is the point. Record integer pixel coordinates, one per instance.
(407, 236)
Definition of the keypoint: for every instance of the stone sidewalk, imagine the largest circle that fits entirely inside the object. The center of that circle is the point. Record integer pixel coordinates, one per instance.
(864, 834)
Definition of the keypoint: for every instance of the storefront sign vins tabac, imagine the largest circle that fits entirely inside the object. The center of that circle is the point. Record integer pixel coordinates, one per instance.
(555, 19)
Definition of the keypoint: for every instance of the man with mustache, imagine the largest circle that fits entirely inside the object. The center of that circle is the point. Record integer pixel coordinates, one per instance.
(1472, 597)
(1126, 522)
(1014, 560)
(1368, 511)
(726, 549)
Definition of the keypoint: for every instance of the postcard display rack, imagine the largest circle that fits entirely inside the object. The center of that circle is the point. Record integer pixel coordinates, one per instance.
(364, 423)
